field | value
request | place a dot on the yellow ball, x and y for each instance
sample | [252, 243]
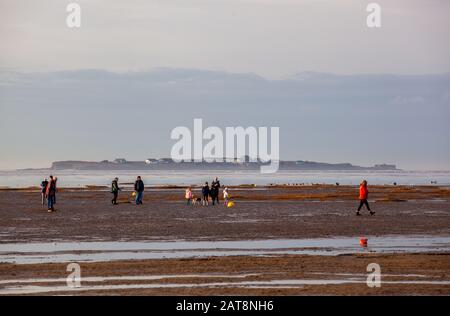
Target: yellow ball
[230, 204]
[133, 194]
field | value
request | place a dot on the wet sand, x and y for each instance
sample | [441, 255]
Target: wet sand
[401, 274]
[260, 213]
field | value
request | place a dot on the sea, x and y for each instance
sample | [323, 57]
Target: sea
[80, 179]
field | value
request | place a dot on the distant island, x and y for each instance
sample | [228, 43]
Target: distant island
[237, 164]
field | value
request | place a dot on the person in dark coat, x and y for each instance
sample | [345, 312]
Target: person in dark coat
[205, 194]
[51, 192]
[115, 190]
[139, 188]
[214, 192]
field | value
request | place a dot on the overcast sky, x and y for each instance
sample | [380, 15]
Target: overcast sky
[272, 39]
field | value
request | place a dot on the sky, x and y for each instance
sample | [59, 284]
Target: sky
[134, 70]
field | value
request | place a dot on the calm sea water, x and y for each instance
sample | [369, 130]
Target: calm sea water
[70, 178]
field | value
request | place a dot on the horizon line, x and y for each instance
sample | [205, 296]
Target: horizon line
[223, 71]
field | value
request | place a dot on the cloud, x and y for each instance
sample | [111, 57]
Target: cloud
[98, 114]
[261, 36]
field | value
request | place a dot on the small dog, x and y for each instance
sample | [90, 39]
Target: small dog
[197, 201]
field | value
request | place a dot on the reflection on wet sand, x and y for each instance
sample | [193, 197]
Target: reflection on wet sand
[28, 253]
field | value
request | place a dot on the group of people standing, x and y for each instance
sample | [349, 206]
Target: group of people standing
[48, 193]
[207, 193]
[211, 192]
[138, 190]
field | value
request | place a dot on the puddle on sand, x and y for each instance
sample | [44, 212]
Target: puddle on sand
[362, 275]
[241, 221]
[32, 289]
[130, 278]
[25, 253]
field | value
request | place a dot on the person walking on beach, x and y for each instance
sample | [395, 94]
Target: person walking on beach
[44, 190]
[115, 190]
[139, 188]
[51, 192]
[215, 186]
[205, 194]
[363, 196]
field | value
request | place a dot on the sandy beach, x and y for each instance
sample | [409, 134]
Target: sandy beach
[293, 213]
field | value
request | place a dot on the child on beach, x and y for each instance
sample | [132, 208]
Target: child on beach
[226, 196]
[189, 196]
[205, 194]
[363, 196]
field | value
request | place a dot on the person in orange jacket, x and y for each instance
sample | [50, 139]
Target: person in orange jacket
[363, 195]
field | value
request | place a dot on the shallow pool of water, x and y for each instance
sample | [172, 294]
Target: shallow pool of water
[295, 283]
[27, 253]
